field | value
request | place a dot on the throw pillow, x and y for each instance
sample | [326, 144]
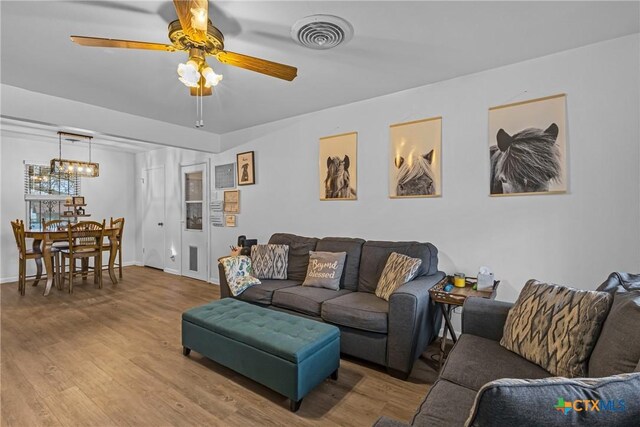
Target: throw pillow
[398, 270]
[556, 327]
[237, 271]
[270, 261]
[325, 269]
[558, 402]
[618, 348]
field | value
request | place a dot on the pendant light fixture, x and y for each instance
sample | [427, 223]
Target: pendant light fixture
[79, 168]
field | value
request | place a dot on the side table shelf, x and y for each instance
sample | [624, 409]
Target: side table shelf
[456, 297]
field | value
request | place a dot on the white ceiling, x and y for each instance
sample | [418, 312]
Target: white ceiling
[396, 46]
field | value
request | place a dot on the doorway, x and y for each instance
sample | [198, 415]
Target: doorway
[153, 217]
[195, 224]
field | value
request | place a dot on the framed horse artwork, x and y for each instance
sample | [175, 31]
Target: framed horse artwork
[338, 167]
[528, 147]
[246, 170]
[415, 159]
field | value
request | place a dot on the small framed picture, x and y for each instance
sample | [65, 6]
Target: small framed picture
[245, 168]
[230, 220]
[67, 213]
[78, 200]
[232, 201]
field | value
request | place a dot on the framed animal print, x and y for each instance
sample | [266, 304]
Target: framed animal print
[528, 147]
[415, 159]
[338, 167]
[245, 168]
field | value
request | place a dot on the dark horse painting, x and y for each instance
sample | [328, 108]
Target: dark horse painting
[415, 178]
[338, 182]
[526, 162]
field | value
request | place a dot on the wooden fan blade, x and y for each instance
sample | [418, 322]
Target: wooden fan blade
[273, 69]
[194, 18]
[124, 44]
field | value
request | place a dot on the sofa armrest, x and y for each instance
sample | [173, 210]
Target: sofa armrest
[484, 317]
[389, 422]
[225, 292]
[413, 322]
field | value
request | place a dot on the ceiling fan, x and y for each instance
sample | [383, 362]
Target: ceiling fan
[193, 32]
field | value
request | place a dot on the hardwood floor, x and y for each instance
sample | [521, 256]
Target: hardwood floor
[112, 356]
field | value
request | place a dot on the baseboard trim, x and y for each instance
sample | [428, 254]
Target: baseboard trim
[8, 279]
[172, 271]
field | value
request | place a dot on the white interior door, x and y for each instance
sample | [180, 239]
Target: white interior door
[195, 224]
[153, 250]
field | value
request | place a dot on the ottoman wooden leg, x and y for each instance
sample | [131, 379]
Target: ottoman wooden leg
[294, 405]
[186, 351]
[334, 375]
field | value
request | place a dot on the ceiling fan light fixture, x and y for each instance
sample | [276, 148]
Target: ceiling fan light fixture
[321, 31]
[211, 78]
[188, 73]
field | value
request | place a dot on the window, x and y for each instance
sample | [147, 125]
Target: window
[46, 193]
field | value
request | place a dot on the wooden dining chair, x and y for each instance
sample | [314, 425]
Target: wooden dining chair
[57, 246]
[23, 255]
[85, 242]
[113, 223]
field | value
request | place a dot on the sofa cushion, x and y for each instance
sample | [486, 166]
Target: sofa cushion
[609, 401]
[618, 348]
[375, 254]
[353, 248]
[270, 261]
[305, 299]
[325, 269]
[398, 270]
[263, 293]
[299, 248]
[556, 327]
[446, 405]
[474, 361]
[358, 310]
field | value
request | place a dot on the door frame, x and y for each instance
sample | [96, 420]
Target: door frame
[164, 213]
[205, 212]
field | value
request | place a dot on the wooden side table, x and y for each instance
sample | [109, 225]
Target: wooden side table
[455, 298]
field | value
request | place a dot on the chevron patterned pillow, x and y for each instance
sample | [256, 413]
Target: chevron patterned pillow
[556, 327]
[270, 261]
[398, 270]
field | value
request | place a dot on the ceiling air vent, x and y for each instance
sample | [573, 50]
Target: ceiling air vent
[321, 31]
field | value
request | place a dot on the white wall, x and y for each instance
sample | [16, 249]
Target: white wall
[109, 195]
[574, 239]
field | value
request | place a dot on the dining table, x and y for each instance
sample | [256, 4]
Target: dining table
[43, 241]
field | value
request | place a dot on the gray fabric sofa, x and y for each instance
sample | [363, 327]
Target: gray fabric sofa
[478, 358]
[393, 333]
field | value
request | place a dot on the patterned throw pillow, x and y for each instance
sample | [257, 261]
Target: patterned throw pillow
[237, 270]
[556, 327]
[325, 269]
[270, 261]
[398, 270]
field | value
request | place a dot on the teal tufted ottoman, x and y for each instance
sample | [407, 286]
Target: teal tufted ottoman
[286, 353]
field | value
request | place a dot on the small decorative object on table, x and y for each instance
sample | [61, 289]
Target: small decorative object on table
[448, 296]
[458, 280]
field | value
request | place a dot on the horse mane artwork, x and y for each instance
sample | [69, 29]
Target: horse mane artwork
[415, 177]
[338, 181]
[526, 162]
